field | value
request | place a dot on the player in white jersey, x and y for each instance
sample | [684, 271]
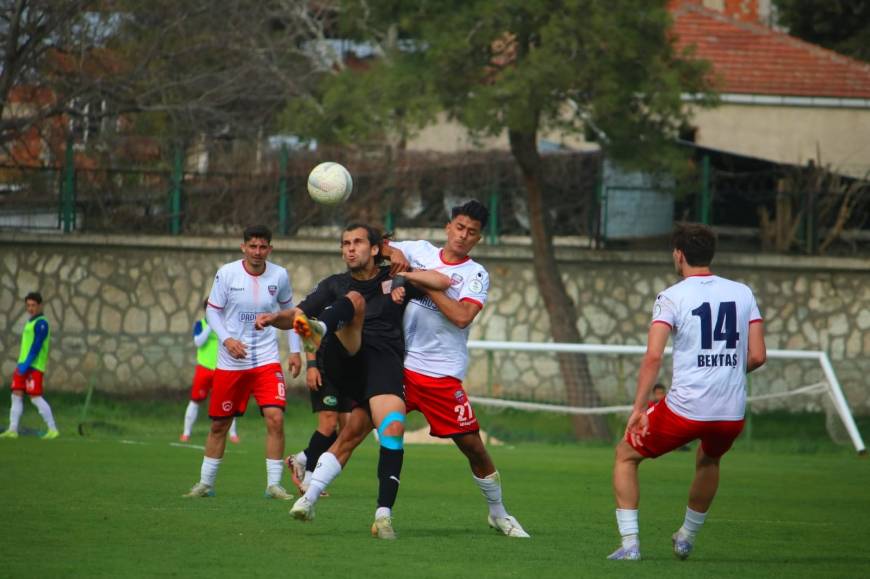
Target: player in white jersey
[436, 359]
[718, 337]
[248, 361]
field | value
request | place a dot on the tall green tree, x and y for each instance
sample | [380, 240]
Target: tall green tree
[521, 67]
[841, 25]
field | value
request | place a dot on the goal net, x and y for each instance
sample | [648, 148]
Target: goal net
[527, 376]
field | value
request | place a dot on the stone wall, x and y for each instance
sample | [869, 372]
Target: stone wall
[122, 309]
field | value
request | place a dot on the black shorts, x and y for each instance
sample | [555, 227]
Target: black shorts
[329, 398]
[373, 370]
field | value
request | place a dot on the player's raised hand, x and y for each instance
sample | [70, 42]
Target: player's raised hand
[264, 320]
[398, 262]
[637, 427]
[237, 349]
[294, 363]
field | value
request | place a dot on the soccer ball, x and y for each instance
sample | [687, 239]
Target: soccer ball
[329, 183]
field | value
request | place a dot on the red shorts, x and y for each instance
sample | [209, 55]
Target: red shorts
[232, 388]
[668, 431]
[30, 382]
[202, 380]
[442, 401]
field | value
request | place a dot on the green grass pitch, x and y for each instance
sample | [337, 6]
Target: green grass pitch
[109, 504]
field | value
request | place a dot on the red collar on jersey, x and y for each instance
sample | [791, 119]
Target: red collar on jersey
[445, 262]
[245, 267]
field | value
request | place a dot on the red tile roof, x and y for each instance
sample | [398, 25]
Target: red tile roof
[750, 58]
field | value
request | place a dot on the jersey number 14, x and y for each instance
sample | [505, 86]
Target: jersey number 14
[726, 325]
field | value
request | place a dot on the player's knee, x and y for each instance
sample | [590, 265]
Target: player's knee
[221, 425]
[392, 431]
[327, 422]
[358, 301]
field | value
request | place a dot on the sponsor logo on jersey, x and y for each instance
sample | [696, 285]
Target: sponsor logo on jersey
[455, 279]
[476, 286]
[237, 289]
[247, 316]
[273, 289]
[426, 302]
[227, 405]
[386, 286]
[330, 401]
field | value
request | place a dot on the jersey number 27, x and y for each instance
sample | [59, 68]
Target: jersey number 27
[726, 325]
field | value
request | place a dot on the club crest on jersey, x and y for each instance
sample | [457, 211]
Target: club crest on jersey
[455, 279]
[476, 286]
[227, 405]
[386, 285]
[273, 289]
[459, 395]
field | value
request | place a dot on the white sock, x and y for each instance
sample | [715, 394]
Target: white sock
[626, 519]
[327, 469]
[44, 411]
[692, 523]
[490, 486]
[306, 480]
[209, 470]
[233, 431]
[274, 470]
[190, 415]
[383, 512]
[15, 412]
[301, 458]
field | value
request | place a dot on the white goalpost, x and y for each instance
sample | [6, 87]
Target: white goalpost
[829, 385]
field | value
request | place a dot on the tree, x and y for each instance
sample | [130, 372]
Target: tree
[840, 25]
[523, 67]
[192, 68]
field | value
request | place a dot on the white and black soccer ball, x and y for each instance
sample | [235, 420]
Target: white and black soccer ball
[330, 183]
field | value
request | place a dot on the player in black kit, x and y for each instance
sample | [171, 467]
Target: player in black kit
[363, 354]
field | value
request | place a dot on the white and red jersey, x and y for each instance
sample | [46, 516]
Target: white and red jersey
[709, 318]
[434, 346]
[239, 296]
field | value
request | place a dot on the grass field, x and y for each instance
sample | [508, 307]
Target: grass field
[109, 505]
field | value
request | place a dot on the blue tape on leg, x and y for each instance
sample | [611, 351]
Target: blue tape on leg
[388, 441]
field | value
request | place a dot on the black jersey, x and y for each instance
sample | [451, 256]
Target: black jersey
[383, 319]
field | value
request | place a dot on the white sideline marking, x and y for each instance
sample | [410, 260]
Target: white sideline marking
[186, 445]
[774, 522]
[133, 442]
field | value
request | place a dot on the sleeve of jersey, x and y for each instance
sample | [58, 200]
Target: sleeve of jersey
[285, 292]
[476, 289]
[664, 311]
[217, 298]
[409, 248]
[216, 322]
[200, 334]
[293, 342]
[755, 313]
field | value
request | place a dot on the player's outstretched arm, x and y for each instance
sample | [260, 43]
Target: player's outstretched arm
[757, 350]
[398, 261]
[282, 320]
[428, 279]
[460, 314]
